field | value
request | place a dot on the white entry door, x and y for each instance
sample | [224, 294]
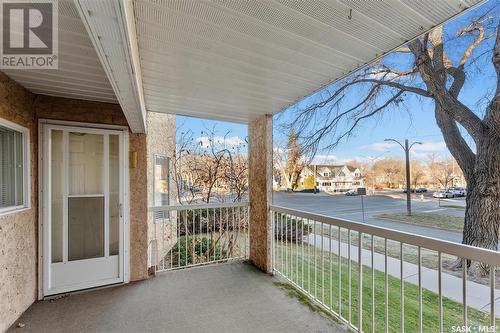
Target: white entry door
[83, 196]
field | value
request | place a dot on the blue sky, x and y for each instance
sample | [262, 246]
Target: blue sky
[414, 121]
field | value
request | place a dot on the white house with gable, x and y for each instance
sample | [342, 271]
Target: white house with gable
[334, 178]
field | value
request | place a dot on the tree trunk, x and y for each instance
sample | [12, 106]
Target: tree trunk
[482, 213]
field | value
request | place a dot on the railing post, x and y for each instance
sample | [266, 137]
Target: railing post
[260, 160]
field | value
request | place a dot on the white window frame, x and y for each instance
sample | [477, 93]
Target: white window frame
[26, 167]
[159, 220]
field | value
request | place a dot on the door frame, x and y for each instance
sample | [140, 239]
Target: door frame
[124, 261]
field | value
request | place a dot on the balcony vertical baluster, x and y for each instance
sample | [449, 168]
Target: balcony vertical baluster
[492, 298]
[322, 265]
[386, 287]
[349, 275]
[339, 266]
[402, 287]
[464, 289]
[360, 283]
[330, 275]
[440, 291]
[372, 245]
[420, 322]
[302, 252]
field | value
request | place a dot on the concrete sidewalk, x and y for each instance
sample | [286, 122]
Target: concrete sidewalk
[478, 295]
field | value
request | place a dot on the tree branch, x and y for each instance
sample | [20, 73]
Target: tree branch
[393, 99]
[457, 110]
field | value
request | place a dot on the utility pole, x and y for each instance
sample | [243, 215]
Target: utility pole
[406, 149]
[408, 185]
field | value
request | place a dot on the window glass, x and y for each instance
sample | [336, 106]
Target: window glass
[114, 195]
[161, 185]
[11, 168]
[56, 192]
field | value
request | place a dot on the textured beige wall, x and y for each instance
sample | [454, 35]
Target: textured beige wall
[18, 230]
[138, 210]
[161, 141]
[260, 164]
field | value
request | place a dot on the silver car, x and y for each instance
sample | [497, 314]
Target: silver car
[443, 194]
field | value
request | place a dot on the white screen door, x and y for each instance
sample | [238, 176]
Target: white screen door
[82, 208]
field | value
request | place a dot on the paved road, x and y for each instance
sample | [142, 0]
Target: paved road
[346, 207]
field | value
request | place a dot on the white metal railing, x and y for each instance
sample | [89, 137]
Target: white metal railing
[192, 235]
[404, 282]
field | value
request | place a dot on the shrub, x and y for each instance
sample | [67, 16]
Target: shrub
[290, 229]
[182, 251]
[210, 220]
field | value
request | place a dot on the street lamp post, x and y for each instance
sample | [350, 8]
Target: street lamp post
[407, 148]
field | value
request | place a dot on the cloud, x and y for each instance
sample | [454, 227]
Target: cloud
[425, 147]
[231, 141]
[381, 76]
[324, 159]
[430, 147]
[380, 146]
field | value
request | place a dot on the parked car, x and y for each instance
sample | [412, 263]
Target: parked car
[458, 191]
[420, 190]
[351, 192]
[412, 190]
[443, 194]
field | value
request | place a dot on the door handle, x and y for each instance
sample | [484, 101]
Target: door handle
[120, 209]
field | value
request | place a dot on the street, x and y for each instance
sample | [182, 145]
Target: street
[349, 208]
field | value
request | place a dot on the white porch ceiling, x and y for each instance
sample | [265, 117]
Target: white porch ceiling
[236, 59]
[80, 74]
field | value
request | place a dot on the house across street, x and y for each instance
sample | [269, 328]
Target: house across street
[331, 177]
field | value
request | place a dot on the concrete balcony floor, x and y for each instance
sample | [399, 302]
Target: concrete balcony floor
[233, 297]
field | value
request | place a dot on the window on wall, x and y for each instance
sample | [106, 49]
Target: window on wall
[13, 166]
[161, 184]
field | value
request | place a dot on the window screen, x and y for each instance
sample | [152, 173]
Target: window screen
[11, 168]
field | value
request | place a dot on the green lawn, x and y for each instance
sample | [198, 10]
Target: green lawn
[446, 222]
[301, 268]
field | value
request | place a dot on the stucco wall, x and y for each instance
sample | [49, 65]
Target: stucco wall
[260, 132]
[162, 234]
[18, 231]
[138, 210]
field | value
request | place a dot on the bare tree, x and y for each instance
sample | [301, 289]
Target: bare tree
[208, 168]
[288, 159]
[443, 171]
[426, 70]
[294, 163]
[417, 173]
[389, 171]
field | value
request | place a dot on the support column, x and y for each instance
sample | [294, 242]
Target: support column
[260, 169]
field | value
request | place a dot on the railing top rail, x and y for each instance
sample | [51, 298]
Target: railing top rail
[198, 206]
[485, 256]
